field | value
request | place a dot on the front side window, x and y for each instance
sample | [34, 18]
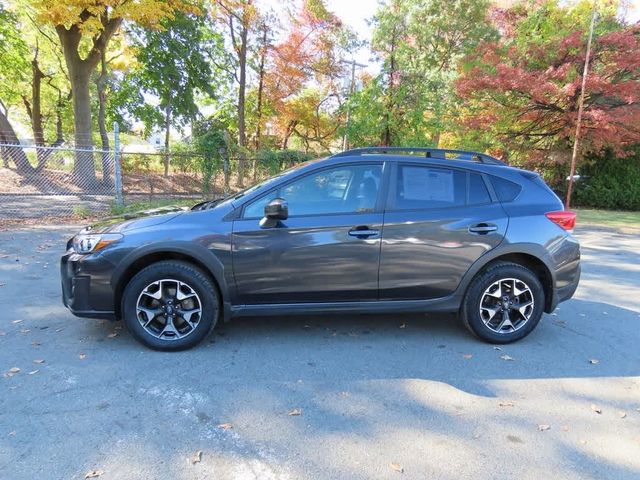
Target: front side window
[343, 189]
[429, 187]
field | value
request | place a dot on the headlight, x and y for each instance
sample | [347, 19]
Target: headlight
[88, 243]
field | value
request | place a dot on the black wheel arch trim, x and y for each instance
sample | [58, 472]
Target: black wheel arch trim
[530, 249]
[199, 253]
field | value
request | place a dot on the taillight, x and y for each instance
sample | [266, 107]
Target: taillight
[565, 218]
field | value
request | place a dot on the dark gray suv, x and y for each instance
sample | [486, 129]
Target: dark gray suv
[367, 230]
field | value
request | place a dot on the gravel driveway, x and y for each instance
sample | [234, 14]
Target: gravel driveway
[396, 396]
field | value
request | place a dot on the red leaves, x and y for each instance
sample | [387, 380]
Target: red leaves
[532, 88]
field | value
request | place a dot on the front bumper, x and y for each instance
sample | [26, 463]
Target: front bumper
[86, 286]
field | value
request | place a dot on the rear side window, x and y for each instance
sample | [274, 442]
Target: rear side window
[478, 193]
[505, 190]
[429, 187]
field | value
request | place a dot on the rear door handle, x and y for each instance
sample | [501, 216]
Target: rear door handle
[363, 232]
[483, 228]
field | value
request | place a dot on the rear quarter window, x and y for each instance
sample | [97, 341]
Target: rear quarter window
[505, 189]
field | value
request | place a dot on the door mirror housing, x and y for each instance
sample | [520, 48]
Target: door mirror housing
[275, 211]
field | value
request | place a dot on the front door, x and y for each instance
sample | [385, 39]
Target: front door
[326, 251]
[439, 221]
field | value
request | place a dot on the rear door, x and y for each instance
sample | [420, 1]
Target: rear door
[328, 250]
[438, 221]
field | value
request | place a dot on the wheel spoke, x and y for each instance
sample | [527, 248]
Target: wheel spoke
[506, 321]
[522, 307]
[170, 328]
[187, 314]
[182, 296]
[150, 313]
[491, 311]
[496, 293]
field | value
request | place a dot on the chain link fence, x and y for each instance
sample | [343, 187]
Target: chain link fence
[38, 182]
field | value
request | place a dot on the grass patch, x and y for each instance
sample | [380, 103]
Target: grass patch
[152, 204]
[608, 218]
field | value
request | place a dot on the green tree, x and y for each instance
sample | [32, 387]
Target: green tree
[421, 44]
[84, 30]
[174, 69]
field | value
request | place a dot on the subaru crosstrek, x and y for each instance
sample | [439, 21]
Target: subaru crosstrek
[374, 230]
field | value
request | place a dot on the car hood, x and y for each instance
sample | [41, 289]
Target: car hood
[132, 221]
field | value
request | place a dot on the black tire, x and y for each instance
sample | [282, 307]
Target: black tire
[190, 276]
[470, 311]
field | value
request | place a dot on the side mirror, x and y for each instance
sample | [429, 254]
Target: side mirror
[275, 211]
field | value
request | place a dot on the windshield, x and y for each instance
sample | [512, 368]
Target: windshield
[263, 183]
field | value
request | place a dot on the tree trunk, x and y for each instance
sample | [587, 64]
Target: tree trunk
[8, 136]
[263, 55]
[387, 135]
[167, 131]
[107, 160]
[242, 140]
[84, 171]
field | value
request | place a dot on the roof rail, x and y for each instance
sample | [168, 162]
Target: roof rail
[428, 153]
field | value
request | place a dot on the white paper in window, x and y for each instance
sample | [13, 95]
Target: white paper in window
[427, 184]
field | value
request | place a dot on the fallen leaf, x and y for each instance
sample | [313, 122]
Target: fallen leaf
[404, 325]
[596, 408]
[467, 356]
[543, 427]
[397, 467]
[225, 426]
[2, 284]
[33, 372]
[560, 322]
[196, 457]
[497, 348]
[506, 404]
[39, 361]
[295, 412]
[58, 330]
[112, 335]
[506, 357]
[14, 370]
[13, 434]
[622, 414]
[36, 344]
[594, 361]
[82, 356]
[17, 321]
[93, 474]
[25, 330]
[565, 428]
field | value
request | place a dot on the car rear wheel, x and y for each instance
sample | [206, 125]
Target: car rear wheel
[504, 303]
[170, 305]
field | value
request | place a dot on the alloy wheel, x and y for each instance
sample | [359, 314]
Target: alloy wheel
[506, 305]
[169, 309]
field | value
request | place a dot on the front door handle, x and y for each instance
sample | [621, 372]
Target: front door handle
[363, 231]
[483, 228]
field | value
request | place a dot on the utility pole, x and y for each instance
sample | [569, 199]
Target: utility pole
[345, 139]
[574, 156]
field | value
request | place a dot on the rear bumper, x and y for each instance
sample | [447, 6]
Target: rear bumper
[86, 289]
[567, 291]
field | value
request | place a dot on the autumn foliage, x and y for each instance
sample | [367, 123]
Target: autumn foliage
[527, 92]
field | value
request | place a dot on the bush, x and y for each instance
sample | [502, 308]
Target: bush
[609, 182]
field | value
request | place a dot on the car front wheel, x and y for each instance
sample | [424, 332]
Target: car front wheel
[170, 305]
[504, 303]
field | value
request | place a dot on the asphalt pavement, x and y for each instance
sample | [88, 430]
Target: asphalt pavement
[322, 397]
